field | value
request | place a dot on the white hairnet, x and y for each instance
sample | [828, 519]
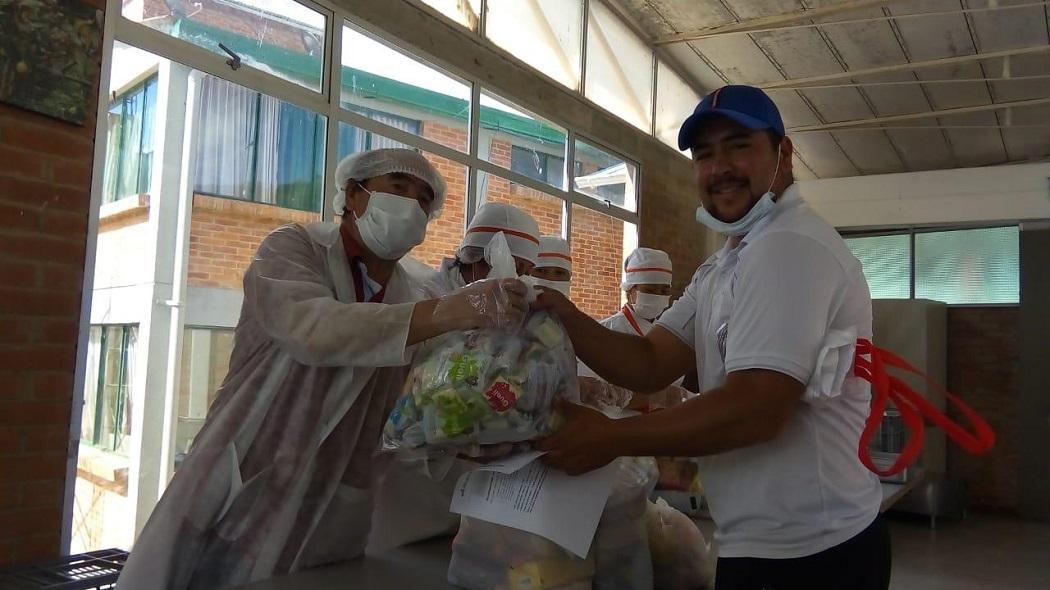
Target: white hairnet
[646, 266]
[370, 164]
[554, 253]
[520, 229]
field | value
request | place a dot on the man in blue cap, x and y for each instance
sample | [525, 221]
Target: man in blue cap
[771, 323]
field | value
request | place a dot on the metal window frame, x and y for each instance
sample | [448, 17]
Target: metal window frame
[915, 230]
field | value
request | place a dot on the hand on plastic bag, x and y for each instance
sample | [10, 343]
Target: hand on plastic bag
[582, 443]
[484, 304]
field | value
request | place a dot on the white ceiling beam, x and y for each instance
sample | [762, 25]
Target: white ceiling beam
[765, 22]
[864, 123]
[982, 80]
[904, 67]
[723, 30]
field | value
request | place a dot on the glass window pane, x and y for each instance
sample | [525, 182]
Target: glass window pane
[444, 233]
[516, 139]
[204, 363]
[254, 147]
[388, 86]
[968, 266]
[675, 100]
[279, 37]
[91, 383]
[605, 177]
[619, 68]
[464, 12]
[886, 261]
[599, 246]
[545, 34]
[544, 208]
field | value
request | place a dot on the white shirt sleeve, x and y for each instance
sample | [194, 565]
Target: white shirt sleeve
[680, 318]
[788, 288]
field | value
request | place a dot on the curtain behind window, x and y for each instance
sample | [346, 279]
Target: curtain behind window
[226, 142]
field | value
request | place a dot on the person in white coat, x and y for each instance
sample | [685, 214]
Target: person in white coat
[278, 479]
[413, 498]
[468, 263]
[647, 276]
[553, 265]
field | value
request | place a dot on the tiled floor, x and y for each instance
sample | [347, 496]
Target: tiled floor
[980, 551]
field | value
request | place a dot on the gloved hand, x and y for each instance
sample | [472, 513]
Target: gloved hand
[484, 304]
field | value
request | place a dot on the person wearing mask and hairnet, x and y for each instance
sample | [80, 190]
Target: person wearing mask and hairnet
[553, 265]
[468, 264]
[771, 321]
[413, 499]
[647, 274]
[647, 281]
[278, 478]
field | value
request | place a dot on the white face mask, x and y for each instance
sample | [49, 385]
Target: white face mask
[649, 306]
[392, 225]
[743, 225]
[559, 286]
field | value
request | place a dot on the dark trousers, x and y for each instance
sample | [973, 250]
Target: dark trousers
[861, 563]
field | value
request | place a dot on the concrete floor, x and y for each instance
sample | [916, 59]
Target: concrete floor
[981, 551]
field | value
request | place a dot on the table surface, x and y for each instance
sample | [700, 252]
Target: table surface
[420, 566]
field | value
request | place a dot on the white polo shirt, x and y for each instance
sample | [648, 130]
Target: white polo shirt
[790, 296]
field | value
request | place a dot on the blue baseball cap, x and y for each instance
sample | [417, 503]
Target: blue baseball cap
[746, 105]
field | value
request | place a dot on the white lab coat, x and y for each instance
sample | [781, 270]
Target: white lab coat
[278, 479]
[412, 504]
[619, 322]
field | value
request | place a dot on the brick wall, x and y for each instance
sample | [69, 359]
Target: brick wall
[225, 233]
[45, 180]
[984, 369]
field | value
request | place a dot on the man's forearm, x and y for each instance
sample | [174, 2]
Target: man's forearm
[622, 359]
[717, 422]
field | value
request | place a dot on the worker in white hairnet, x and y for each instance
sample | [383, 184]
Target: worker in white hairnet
[413, 498]
[647, 282]
[278, 479]
[553, 265]
[468, 264]
[647, 276]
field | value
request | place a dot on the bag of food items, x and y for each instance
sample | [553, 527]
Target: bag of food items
[490, 556]
[484, 387]
[680, 554]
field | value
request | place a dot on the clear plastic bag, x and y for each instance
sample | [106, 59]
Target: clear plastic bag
[620, 561]
[484, 387]
[680, 554]
[490, 556]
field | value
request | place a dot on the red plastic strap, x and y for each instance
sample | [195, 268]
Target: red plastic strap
[870, 364]
[630, 318]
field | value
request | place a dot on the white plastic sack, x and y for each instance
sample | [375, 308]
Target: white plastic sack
[681, 556]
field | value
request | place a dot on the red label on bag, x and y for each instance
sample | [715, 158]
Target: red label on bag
[500, 396]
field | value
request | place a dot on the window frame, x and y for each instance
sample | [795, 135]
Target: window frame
[123, 387]
[915, 230]
[142, 184]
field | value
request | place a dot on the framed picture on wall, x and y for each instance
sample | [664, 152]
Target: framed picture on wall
[49, 56]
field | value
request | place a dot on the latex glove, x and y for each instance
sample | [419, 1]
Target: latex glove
[484, 304]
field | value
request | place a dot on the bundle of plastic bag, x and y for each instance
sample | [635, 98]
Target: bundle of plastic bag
[680, 554]
[484, 387]
[491, 556]
[487, 556]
